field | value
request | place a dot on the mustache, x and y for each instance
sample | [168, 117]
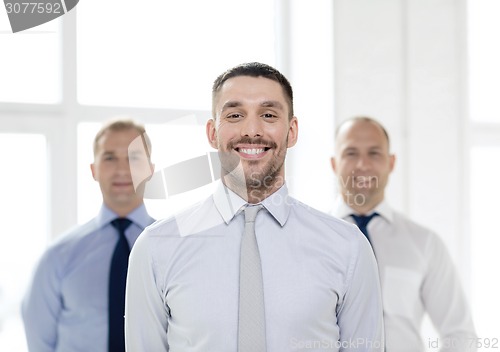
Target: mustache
[248, 140]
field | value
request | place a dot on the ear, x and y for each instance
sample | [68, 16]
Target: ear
[152, 169]
[293, 132]
[392, 161]
[212, 133]
[93, 170]
[334, 164]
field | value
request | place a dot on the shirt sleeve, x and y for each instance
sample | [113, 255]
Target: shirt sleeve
[42, 305]
[445, 302]
[146, 315]
[360, 317]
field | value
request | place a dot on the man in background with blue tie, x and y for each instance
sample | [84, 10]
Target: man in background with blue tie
[416, 272]
[76, 299]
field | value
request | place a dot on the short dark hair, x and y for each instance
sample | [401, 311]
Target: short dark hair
[120, 124]
[364, 119]
[254, 69]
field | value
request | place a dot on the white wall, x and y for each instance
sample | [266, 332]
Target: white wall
[310, 70]
[402, 62]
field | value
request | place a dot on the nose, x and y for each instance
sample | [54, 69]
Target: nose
[363, 163]
[123, 166]
[252, 126]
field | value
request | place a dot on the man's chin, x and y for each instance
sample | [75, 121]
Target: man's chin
[125, 199]
[247, 179]
[360, 192]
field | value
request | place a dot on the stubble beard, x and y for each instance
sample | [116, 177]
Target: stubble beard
[256, 183]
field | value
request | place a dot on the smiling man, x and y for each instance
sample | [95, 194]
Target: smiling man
[251, 269]
[252, 144]
[76, 301]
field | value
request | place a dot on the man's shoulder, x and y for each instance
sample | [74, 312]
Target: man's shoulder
[410, 225]
[66, 245]
[337, 224]
[422, 236]
[190, 220]
[75, 234]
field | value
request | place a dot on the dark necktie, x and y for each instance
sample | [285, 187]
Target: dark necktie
[362, 222]
[251, 319]
[117, 281]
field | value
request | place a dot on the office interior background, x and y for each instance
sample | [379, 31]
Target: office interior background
[427, 69]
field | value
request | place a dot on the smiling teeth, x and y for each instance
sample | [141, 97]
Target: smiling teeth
[252, 151]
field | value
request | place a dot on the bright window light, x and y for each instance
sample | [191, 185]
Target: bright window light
[30, 63]
[485, 240]
[484, 56]
[166, 54]
[24, 235]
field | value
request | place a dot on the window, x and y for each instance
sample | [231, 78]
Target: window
[485, 191]
[170, 58]
[484, 156]
[484, 56]
[24, 184]
[30, 63]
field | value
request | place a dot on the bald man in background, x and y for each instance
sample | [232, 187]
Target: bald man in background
[416, 271]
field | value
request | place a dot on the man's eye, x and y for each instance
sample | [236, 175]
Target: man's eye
[138, 157]
[233, 116]
[109, 158]
[269, 116]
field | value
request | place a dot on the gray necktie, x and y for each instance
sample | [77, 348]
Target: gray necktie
[251, 320]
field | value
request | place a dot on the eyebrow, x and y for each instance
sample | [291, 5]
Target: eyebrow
[230, 104]
[135, 152]
[272, 104]
[265, 104]
[356, 149]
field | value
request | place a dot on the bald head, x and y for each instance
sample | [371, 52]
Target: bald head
[346, 125]
[362, 162]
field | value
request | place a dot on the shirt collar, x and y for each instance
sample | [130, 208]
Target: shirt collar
[138, 216]
[342, 210]
[229, 204]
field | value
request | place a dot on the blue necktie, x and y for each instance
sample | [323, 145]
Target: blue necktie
[362, 222]
[117, 281]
